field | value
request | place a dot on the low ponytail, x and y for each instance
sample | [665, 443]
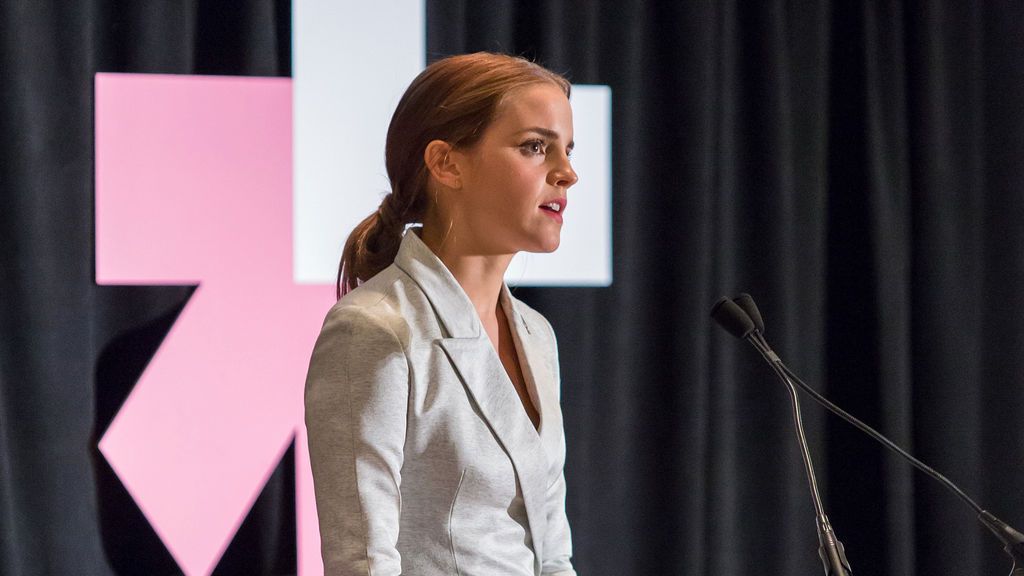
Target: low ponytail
[373, 244]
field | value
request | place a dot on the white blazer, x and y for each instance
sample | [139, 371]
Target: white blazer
[424, 460]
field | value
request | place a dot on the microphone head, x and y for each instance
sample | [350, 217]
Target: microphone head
[745, 302]
[731, 317]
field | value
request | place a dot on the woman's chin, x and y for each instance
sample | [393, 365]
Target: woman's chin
[549, 245]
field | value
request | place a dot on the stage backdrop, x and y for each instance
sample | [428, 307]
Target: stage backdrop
[855, 166]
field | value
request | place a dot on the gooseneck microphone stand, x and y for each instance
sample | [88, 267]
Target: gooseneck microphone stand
[731, 318]
[739, 324]
[1013, 540]
[830, 549]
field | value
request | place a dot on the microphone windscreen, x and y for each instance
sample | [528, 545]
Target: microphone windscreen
[732, 318]
[745, 302]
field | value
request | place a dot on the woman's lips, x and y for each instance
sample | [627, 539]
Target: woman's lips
[554, 208]
[556, 215]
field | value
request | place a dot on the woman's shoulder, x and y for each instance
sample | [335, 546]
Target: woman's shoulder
[370, 307]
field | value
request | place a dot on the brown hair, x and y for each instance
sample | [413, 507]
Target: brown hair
[454, 99]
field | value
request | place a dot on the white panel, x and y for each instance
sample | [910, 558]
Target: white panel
[584, 257]
[351, 63]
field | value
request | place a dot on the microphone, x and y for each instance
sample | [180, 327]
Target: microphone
[1012, 539]
[745, 302]
[741, 319]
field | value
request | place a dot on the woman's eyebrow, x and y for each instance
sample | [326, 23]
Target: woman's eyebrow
[547, 133]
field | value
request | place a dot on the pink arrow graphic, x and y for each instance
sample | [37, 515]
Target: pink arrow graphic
[194, 186]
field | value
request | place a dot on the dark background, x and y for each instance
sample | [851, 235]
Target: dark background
[856, 166]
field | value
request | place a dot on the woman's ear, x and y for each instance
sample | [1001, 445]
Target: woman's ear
[439, 157]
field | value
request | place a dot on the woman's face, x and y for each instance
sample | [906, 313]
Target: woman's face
[515, 179]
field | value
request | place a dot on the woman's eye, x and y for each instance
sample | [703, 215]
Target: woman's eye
[533, 147]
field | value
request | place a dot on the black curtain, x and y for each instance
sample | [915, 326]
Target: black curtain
[856, 166]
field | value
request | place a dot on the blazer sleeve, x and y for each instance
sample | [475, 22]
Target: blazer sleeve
[558, 539]
[356, 400]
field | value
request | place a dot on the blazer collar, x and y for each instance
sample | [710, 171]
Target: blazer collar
[483, 375]
[450, 302]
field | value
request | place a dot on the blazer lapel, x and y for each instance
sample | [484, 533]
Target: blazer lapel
[488, 384]
[483, 375]
[538, 364]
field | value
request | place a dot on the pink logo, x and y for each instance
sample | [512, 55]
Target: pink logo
[194, 186]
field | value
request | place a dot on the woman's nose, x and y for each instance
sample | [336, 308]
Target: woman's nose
[564, 176]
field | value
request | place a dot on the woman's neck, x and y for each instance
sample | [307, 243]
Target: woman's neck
[481, 276]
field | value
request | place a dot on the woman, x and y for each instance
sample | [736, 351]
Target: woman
[435, 433]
